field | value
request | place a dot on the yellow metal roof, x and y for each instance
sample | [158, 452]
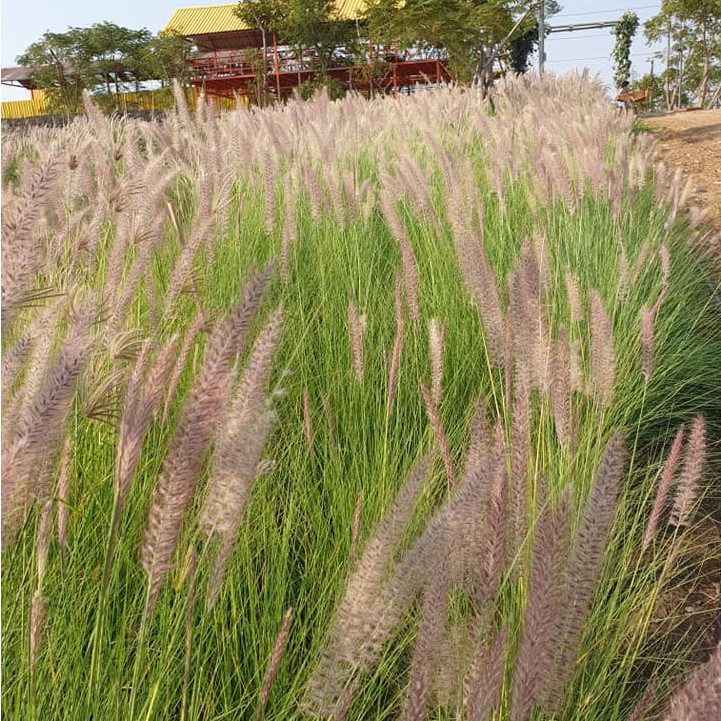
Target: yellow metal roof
[350, 9]
[221, 18]
[205, 19]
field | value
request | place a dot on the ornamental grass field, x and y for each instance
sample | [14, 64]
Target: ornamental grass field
[392, 409]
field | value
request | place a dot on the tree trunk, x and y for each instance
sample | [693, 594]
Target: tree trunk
[704, 76]
[666, 80]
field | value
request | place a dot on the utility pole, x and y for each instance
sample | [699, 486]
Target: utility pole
[541, 35]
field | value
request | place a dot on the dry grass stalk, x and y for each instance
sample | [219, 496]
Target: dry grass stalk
[307, 421]
[690, 477]
[397, 341]
[174, 379]
[664, 486]
[42, 540]
[603, 353]
[646, 342]
[561, 389]
[530, 333]
[408, 260]
[227, 527]
[436, 343]
[641, 262]
[179, 474]
[543, 261]
[575, 367]
[355, 533]
[435, 420]
[12, 363]
[288, 235]
[22, 248]
[479, 442]
[63, 496]
[508, 361]
[42, 336]
[274, 662]
[479, 277]
[573, 291]
[356, 325]
[141, 402]
[665, 259]
[624, 273]
[38, 616]
[520, 447]
[331, 423]
[497, 526]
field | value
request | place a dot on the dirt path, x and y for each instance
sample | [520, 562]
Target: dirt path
[691, 141]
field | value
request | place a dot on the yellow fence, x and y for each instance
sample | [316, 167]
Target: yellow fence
[148, 100]
[24, 108]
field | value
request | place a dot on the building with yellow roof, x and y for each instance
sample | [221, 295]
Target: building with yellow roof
[226, 63]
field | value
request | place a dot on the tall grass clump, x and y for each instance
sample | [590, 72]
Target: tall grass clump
[390, 409]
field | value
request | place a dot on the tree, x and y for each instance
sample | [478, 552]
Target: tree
[55, 69]
[471, 32]
[624, 31]
[267, 16]
[692, 31]
[114, 55]
[313, 25]
[165, 58]
[103, 56]
[653, 85]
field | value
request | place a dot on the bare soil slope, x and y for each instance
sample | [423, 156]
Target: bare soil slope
[691, 141]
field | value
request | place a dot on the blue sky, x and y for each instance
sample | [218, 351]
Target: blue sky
[22, 22]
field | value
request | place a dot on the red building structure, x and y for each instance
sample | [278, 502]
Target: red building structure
[228, 58]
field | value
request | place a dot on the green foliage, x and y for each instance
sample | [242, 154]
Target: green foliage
[470, 32]
[624, 31]
[103, 58]
[165, 58]
[265, 15]
[692, 33]
[54, 60]
[521, 48]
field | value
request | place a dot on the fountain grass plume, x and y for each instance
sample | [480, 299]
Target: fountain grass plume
[364, 618]
[176, 484]
[41, 426]
[238, 449]
[664, 486]
[585, 559]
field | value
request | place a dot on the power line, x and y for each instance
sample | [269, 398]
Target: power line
[601, 12]
[584, 37]
[599, 57]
